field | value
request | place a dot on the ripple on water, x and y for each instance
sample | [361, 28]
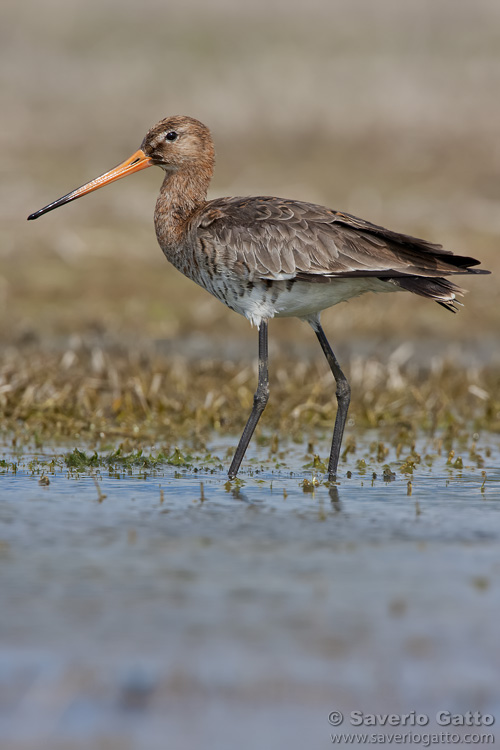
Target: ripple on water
[148, 601]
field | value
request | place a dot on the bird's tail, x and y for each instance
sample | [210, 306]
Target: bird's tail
[442, 291]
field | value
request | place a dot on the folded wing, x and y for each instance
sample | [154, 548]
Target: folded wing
[269, 238]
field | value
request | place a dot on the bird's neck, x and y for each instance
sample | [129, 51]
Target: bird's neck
[181, 194]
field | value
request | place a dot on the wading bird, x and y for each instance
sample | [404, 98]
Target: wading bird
[267, 257]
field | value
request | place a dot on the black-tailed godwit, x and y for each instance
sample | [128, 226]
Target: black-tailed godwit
[267, 257]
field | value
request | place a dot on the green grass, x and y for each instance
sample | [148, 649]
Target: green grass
[118, 398]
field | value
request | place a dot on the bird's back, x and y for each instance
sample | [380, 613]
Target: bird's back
[239, 243]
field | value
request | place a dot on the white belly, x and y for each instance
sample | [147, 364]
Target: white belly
[303, 299]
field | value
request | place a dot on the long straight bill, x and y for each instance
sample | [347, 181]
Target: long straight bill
[135, 163]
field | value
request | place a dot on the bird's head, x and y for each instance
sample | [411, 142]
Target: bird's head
[177, 143]
[174, 144]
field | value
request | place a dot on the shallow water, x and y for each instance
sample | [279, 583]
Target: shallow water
[164, 607]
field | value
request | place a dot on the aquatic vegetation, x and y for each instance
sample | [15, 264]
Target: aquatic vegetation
[117, 397]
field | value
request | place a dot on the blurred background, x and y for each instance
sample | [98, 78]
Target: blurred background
[160, 612]
[388, 110]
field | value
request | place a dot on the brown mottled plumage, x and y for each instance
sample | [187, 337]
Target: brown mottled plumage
[269, 257]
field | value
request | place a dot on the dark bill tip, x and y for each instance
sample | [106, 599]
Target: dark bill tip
[50, 207]
[135, 163]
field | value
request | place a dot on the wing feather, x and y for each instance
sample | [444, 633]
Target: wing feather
[272, 238]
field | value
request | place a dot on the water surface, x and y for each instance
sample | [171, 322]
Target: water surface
[165, 607]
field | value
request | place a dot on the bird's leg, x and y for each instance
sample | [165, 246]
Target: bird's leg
[260, 400]
[343, 394]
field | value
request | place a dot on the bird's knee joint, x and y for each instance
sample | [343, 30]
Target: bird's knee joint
[343, 391]
[261, 397]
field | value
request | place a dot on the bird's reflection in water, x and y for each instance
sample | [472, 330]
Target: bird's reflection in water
[239, 495]
[333, 491]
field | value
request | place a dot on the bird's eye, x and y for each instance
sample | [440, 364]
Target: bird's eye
[171, 135]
